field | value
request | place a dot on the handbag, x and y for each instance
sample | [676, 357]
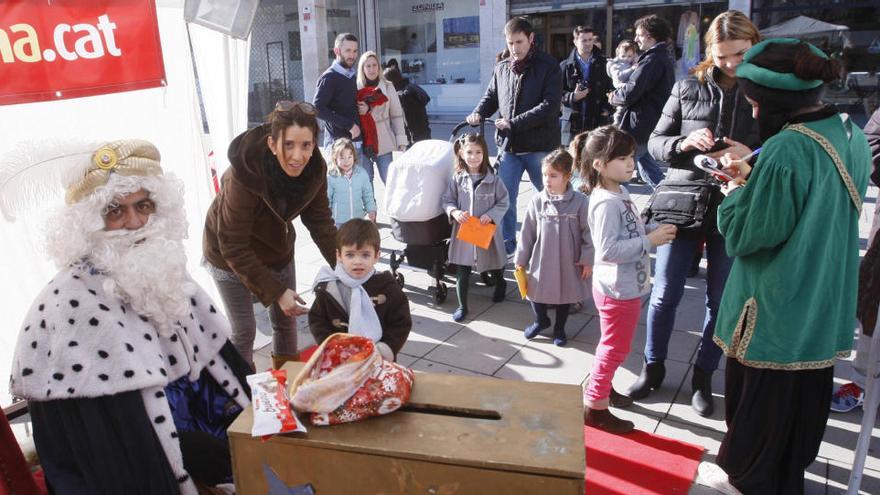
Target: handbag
[347, 380]
[683, 203]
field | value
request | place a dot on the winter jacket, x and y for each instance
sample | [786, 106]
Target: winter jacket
[350, 197]
[328, 314]
[593, 110]
[390, 127]
[643, 96]
[488, 198]
[554, 240]
[619, 70]
[414, 101]
[692, 106]
[335, 100]
[245, 231]
[530, 101]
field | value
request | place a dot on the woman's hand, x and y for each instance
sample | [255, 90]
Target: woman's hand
[736, 167]
[485, 219]
[586, 271]
[288, 304]
[662, 234]
[700, 140]
[460, 216]
[363, 108]
[729, 187]
[734, 148]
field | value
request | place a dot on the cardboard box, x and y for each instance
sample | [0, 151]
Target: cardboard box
[458, 435]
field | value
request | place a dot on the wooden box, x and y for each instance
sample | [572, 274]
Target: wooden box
[458, 435]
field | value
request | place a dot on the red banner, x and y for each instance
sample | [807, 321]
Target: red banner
[74, 48]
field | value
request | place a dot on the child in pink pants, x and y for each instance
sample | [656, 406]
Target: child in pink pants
[622, 268]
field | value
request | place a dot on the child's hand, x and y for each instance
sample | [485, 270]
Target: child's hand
[460, 216]
[662, 234]
[372, 216]
[586, 271]
[485, 219]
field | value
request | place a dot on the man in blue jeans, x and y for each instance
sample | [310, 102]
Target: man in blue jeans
[526, 91]
[646, 91]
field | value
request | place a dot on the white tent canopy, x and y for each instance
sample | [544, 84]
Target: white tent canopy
[804, 27]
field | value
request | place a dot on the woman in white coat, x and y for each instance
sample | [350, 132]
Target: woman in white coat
[378, 101]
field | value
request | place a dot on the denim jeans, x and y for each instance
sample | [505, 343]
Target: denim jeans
[673, 261]
[239, 302]
[381, 162]
[649, 168]
[511, 171]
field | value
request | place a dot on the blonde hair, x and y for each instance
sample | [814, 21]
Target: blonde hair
[727, 26]
[361, 78]
[338, 147]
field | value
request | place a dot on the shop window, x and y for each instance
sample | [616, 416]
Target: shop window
[275, 65]
[433, 42]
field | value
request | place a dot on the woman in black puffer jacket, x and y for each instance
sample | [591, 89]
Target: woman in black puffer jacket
[705, 107]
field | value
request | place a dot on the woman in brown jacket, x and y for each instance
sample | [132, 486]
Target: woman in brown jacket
[274, 177]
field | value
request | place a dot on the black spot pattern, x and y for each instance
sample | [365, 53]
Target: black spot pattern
[27, 328]
[94, 322]
[159, 419]
[148, 336]
[103, 354]
[160, 394]
[162, 370]
[41, 306]
[143, 318]
[77, 367]
[195, 349]
[213, 336]
[103, 377]
[225, 383]
[235, 393]
[26, 371]
[48, 392]
[43, 324]
[34, 344]
[172, 360]
[70, 390]
[74, 303]
[122, 325]
[128, 373]
[122, 308]
[103, 308]
[92, 292]
[211, 363]
[173, 434]
[202, 328]
[174, 338]
[55, 292]
[129, 347]
[71, 321]
[72, 343]
[211, 309]
[58, 376]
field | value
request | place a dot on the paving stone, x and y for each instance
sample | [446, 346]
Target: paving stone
[839, 474]
[541, 361]
[473, 351]
[681, 409]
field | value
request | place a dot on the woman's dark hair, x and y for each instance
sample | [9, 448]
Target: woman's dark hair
[392, 63]
[602, 143]
[558, 160]
[394, 76]
[518, 25]
[464, 140]
[778, 105]
[288, 113]
[655, 26]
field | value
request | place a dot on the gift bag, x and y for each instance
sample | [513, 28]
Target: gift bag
[347, 379]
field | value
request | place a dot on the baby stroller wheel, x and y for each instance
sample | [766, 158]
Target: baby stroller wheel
[399, 278]
[488, 279]
[440, 293]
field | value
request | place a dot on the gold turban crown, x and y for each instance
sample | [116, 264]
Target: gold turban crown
[130, 157]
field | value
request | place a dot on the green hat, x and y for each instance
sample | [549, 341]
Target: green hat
[772, 79]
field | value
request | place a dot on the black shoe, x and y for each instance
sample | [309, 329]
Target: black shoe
[605, 421]
[619, 400]
[649, 379]
[701, 384]
[500, 290]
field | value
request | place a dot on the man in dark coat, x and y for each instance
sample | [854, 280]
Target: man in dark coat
[647, 90]
[526, 91]
[336, 93]
[585, 83]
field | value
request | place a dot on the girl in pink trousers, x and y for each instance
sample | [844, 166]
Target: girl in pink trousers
[621, 269]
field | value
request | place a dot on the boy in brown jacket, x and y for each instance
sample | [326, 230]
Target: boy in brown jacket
[354, 298]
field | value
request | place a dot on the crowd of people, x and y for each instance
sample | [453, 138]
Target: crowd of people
[111, 343]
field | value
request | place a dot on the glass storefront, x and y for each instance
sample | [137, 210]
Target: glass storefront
[848, 29]
[433, 42]
[275, 67]
[342, 17]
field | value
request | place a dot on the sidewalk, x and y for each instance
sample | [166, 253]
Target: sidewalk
[491, 343]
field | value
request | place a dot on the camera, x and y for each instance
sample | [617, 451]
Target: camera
[582, 86]
[718, 145]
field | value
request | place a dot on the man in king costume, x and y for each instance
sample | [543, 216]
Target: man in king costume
[125, 361]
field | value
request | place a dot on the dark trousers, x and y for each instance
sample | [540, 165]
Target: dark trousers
[775, 423]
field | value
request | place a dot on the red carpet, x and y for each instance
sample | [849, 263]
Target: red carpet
[638, 463]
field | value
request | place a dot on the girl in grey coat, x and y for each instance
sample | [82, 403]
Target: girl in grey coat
[555, 247]
[475, 190]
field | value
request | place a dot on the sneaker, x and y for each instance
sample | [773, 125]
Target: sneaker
[711, 475]
[847, 398]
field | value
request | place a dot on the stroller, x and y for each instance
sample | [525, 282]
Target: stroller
[416, 181]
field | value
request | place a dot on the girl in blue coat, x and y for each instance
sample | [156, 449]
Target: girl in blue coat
[348, 186]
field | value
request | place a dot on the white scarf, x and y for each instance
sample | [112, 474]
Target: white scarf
[362, 318]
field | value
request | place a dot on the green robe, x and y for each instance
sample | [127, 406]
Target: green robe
[790, 300]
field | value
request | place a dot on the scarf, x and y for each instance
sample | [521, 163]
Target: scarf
[337, 67]
[362, 318]
[520, 66]
[282, 187]
[374, 97]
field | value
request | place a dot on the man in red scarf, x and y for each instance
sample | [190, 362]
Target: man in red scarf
[526, 91]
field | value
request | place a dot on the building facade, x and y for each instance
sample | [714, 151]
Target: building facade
[449, 47]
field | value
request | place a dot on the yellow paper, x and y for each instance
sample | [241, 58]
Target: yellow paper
[522, 281]
[474, 232]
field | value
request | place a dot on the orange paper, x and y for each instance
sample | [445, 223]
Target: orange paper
[474, 232]
[522, 281]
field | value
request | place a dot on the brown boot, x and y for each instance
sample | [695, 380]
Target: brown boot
[605, 421]
[278, 360]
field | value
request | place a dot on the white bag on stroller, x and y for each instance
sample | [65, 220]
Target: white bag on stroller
[417, 180]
